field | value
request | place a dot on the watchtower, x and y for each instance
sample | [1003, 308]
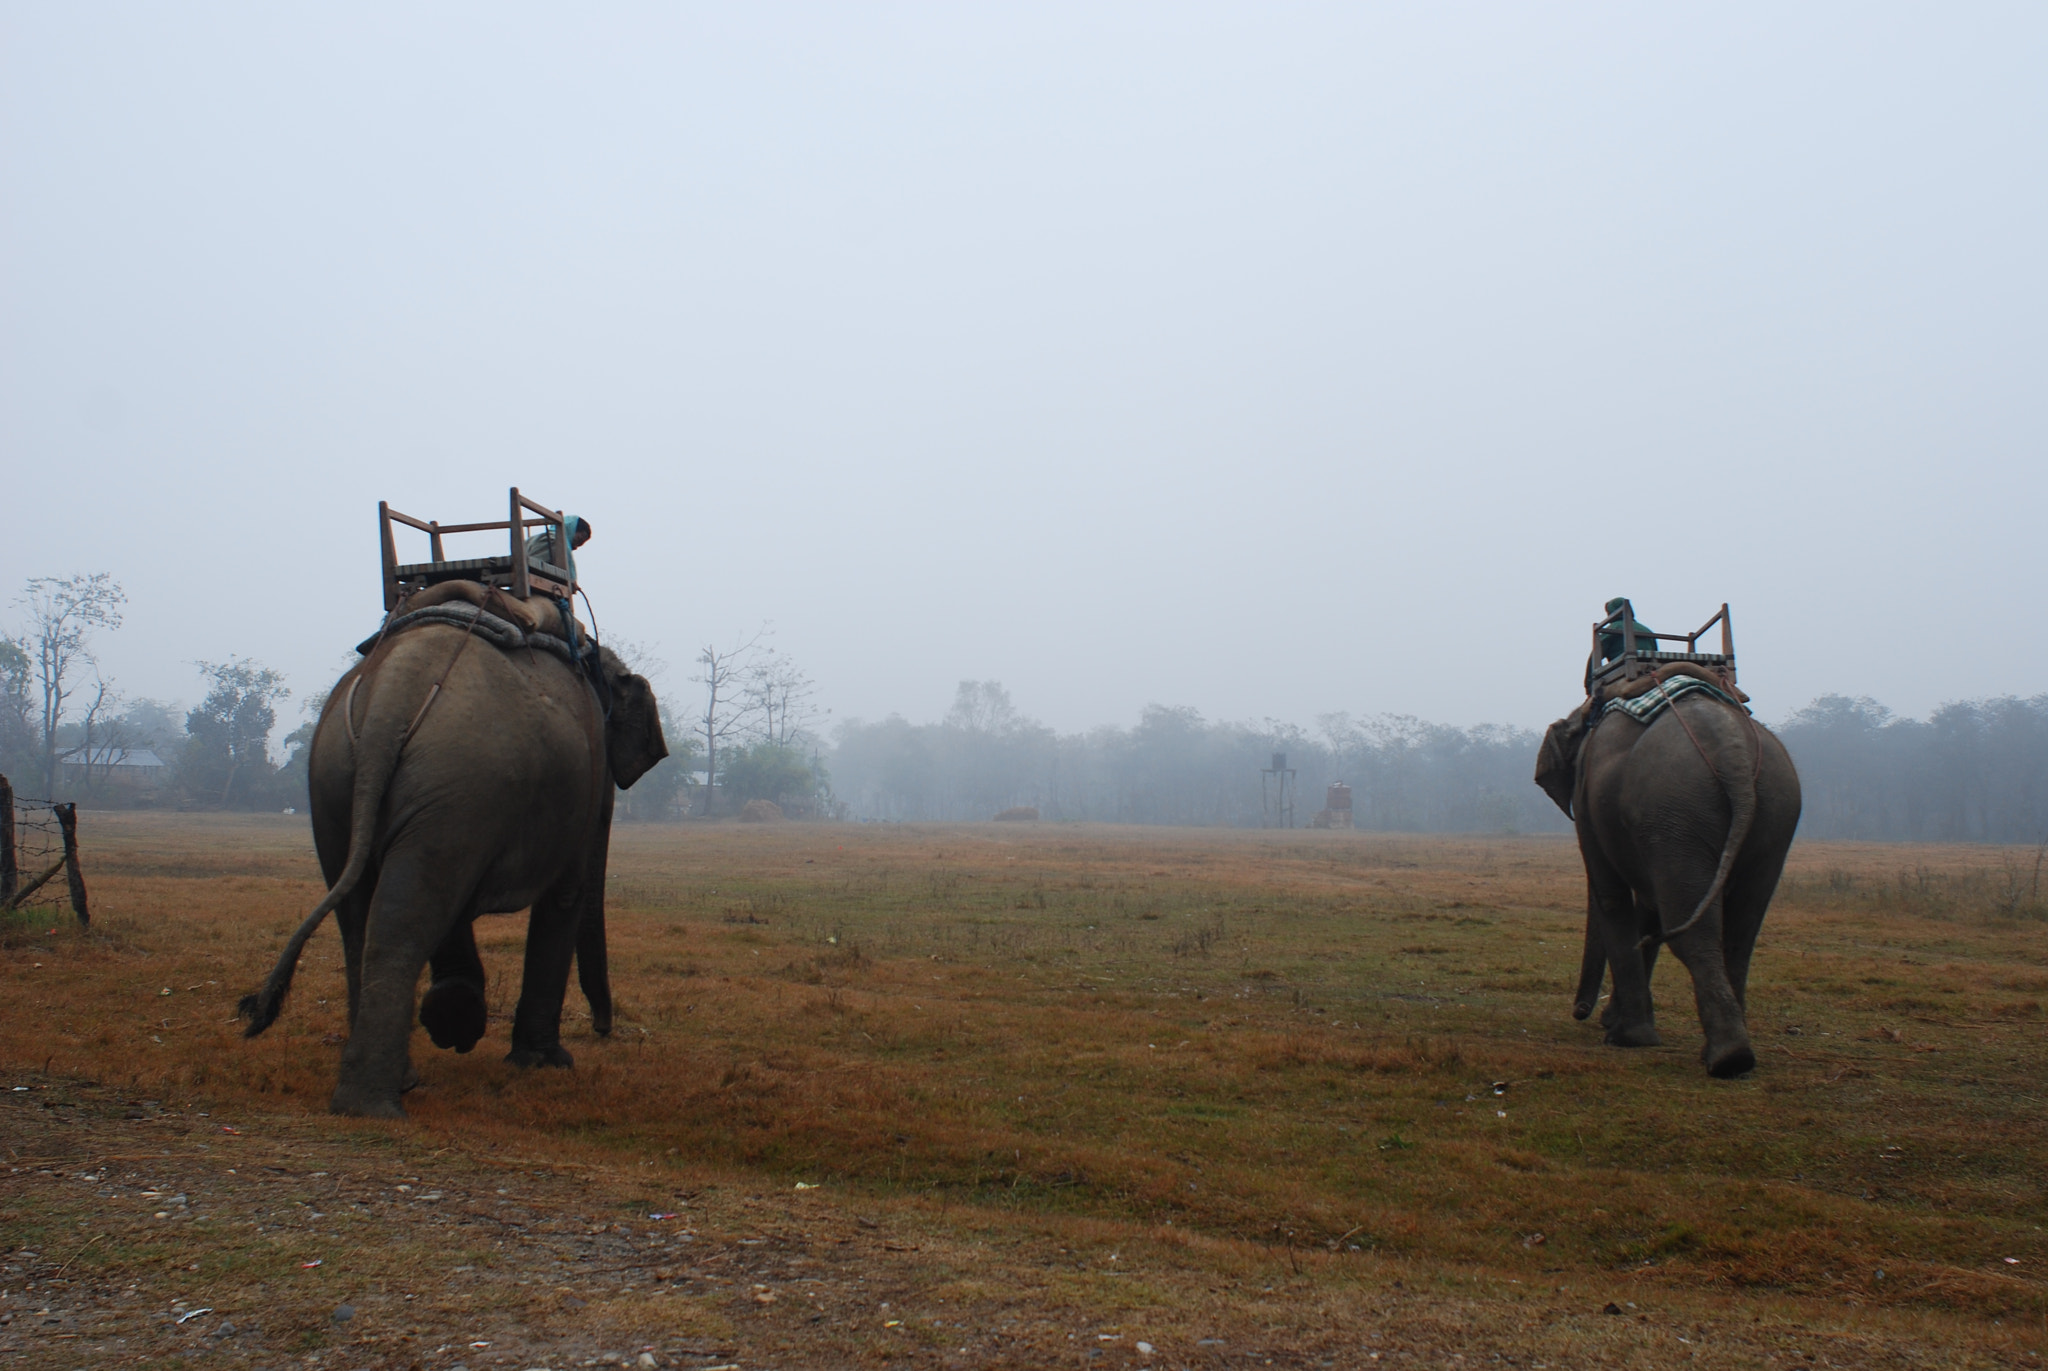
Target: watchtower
[1276, 792]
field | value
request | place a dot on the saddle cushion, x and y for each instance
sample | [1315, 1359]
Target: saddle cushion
[536, 615]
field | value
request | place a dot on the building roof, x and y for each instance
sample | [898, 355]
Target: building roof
[138, 758]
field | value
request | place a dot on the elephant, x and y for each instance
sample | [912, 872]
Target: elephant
[451, 778]
[1683, 824]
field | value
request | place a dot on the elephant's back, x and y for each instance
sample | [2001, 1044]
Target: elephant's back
[488, 727]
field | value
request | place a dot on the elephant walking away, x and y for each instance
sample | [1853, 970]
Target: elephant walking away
[465, 766]
[1683, 822]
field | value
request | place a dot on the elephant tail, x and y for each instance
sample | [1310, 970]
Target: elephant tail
[261, 1009]
[1741, 791]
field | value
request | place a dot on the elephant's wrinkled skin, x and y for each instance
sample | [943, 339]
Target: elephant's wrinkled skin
[500, 800]
[1664, 833]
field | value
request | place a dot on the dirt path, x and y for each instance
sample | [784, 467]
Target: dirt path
[152, 1232]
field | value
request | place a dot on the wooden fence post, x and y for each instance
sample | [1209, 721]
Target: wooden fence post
[10, 872]
[67, 819]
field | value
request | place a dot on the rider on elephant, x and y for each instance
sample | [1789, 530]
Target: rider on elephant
[1611, 640]
[543, 547]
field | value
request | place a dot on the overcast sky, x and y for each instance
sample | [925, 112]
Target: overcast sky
[1268, 359]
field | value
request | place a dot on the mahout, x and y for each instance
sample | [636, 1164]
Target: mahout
[465, 766]
[1683, 823]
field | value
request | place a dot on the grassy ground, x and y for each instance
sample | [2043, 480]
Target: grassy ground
[1307, 1097]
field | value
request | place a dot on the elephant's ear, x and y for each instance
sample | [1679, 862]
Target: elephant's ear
[1557, 761]
[633, 740]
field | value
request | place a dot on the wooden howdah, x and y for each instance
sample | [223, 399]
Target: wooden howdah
[1640, 659]
[513, 573]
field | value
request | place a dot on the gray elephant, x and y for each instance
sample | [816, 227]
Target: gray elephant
[1683, 823]
[465, 766]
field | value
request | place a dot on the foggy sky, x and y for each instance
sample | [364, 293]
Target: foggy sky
[1268, 359]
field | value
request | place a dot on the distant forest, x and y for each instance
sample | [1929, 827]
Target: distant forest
[1174, 767]
[1972, 771]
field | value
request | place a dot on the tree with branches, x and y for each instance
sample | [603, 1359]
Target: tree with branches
[63, 613]
[230, 729]
[728, 711]
[783, 699]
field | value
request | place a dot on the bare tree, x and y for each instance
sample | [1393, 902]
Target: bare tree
[63, 613]
[982, 707]
[728, 712]
[783, 698]
[104, 738]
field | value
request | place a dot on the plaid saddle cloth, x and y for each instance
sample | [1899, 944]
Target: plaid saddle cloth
[1654, 701]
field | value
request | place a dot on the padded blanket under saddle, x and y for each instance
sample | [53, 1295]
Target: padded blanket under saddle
[1658, 698]
[497, 618]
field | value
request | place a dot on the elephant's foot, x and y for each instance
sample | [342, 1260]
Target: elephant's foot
[601, 1024]
[556, 1055]
[453, 1014]
[364, 1104]
[1732, 1059]
[1633, 1035]
[1582, 1011]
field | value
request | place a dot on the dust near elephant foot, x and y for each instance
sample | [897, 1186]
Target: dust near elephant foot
[557, 1055]
[454, 1015]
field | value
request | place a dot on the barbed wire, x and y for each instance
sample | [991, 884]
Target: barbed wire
[39, 854]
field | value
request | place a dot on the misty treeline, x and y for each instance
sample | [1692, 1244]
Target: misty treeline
[1175, 767]
[751, 729]
[1972, 771]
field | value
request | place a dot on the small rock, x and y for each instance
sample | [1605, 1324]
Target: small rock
[1612, 1308]
[344, 1312]
[646, 1361]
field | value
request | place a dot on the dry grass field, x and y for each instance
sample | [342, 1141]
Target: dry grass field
[1030, 1094]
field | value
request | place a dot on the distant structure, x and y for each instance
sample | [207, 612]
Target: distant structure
[1336, 812]
[130, 770]
[1276, 792]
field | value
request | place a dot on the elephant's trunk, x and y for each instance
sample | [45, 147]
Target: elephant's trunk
[380, 748]
[1741, 791]
[1592, 970]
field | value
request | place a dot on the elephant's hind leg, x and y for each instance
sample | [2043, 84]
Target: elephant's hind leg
[550, 946]
[409, 916]
[1727, 1050]
[453, 1010]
